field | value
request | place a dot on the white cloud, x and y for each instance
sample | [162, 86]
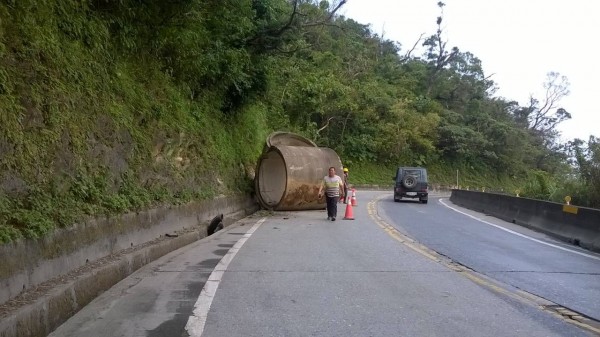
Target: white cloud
[517, 41]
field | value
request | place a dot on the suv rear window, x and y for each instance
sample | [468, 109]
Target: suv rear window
[420, 173]
[416, 173]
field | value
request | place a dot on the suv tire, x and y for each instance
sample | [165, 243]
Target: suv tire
[409, 181]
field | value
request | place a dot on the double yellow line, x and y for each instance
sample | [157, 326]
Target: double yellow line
[519, 295]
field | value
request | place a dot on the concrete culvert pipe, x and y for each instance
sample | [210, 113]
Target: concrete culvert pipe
[281, 138]
[288, 177]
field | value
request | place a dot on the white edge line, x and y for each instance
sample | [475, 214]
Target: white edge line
[521, 235]
[196, 322]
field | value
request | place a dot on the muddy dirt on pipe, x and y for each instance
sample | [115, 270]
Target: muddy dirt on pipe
[288, 177]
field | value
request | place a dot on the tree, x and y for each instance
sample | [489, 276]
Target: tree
[542, 117]
[586, 158]
[438, 55]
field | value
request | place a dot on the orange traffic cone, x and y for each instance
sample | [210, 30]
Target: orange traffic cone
[353, 200]
[349, 215]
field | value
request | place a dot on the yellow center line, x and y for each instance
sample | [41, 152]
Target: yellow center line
[519, 295]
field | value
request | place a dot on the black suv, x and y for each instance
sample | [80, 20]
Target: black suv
[411, 182]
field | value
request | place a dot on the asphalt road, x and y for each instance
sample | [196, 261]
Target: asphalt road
[296, 274]
[562, 273]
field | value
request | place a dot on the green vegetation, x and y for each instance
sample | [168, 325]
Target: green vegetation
[115, 106]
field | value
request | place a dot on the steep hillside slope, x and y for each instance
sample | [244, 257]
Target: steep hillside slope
[92, 122]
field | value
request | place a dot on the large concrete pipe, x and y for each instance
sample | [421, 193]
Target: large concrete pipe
[288, 177]
[281, 138]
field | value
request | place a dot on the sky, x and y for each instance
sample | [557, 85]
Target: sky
[517, 41]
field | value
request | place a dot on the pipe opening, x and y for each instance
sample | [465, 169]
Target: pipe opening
[272, 178]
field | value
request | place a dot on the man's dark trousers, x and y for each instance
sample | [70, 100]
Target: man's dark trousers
[332, 206]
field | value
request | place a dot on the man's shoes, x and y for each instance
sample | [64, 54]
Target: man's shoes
[333, 219]
[328, 218]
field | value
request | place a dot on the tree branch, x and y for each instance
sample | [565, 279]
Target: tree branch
[337, 7]
[326, 125]
[407, 55]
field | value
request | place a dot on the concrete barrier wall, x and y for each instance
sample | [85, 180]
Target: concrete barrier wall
[29, 263]
[39, 315]
[578, 225]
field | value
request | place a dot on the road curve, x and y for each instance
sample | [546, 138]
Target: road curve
[297, 274]
[527, 260]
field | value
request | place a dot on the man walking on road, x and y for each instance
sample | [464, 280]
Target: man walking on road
[334, 187]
